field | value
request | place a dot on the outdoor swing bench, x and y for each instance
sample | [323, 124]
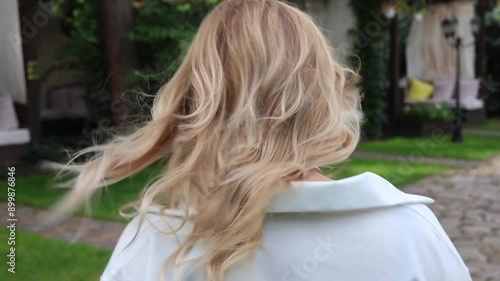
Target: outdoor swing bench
[443, 91]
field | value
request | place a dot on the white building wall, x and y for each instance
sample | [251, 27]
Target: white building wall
[336, 19]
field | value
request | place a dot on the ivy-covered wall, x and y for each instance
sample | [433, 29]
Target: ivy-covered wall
[370, 46]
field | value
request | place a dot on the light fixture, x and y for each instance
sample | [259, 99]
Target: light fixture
[450, 25]
[475, 24]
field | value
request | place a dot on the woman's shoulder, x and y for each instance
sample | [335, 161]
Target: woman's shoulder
[146, 240]
[425, 243]
[390, 243]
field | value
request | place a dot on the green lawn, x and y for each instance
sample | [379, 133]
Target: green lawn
[491, 125]
[398, 173]
[473, 147]
[37, 191]
[45, 259]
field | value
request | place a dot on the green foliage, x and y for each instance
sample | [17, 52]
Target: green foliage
[429, 111]
[299, 3]
[46, 149]
[495, 14]
[162, 33]
[370, 45]
[492, 22]
[84, 54]
[411, 7]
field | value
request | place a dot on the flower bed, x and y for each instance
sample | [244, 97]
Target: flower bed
[426, 119]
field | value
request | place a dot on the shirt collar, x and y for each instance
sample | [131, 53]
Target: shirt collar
[363, 191]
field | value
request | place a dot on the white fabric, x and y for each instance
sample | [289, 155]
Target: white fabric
[8, 117]
[12, 80]
[14, 137]
[443, 90]
[470, 104]
[356, 229]
[469, 89]
[429, 55]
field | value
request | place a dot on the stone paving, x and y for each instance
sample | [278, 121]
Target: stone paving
[482, 132]
[102, 234]
[467, 205]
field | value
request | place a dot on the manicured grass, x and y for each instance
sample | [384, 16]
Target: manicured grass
[45, 259]
[38, 190]
[398, 173]
[491, 125]
[473, 147]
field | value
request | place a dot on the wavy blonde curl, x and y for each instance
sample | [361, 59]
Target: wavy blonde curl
[258, 100]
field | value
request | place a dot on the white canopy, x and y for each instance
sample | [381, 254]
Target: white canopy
[12, 81]
[429, 55]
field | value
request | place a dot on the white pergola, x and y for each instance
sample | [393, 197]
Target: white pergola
[11, 55]
[429, 55]
[12, 76]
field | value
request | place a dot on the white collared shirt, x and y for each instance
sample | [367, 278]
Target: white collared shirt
[360, 228]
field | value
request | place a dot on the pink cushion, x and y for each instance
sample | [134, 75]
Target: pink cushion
[8, 118]
[444, 90]
[469, 89]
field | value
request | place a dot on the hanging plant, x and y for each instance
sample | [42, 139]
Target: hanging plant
[494, 15]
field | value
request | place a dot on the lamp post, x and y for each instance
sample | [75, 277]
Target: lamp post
[450, 32]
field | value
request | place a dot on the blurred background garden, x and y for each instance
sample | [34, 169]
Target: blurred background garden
[74, 73]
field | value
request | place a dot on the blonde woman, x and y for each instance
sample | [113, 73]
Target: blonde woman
[256, 106]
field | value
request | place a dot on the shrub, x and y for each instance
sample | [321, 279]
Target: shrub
[429, 111]
[162, 33]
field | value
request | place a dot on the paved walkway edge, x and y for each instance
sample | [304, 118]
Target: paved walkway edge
[408, 158]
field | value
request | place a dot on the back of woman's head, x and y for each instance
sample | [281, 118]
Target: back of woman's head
[257, 99]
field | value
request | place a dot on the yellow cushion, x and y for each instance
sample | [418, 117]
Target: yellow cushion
[420, 90]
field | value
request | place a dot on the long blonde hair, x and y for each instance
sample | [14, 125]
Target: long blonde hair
[258, 100]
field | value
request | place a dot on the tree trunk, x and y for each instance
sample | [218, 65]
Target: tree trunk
[27, 13]
[117, 21]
